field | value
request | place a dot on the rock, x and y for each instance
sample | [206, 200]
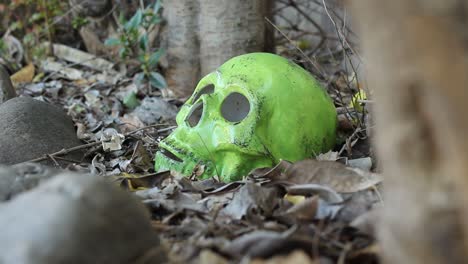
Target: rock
[74, 218]
[23, 177]
[30, 129]
[152, 109]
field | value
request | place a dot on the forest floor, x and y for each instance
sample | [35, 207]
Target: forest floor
[319, 210]
[292, 212]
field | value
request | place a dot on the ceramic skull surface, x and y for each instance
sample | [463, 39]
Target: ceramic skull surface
[251, 112]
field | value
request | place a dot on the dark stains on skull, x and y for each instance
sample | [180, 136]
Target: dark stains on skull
[309, 146]
[258, 104]
[207, 89]
[173, 145]
[242, 144]
[236, 77]
[188, 155]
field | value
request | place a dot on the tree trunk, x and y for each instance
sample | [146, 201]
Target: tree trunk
[416, 55]
[202, 34]
[183, 48]
[100, 26]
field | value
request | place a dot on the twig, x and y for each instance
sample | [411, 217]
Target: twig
[316, 25]
[48, 27]
[150, 126]
[67, 160]
[54, 160]
[349, 139]
[92, 144]
[66, 151]
[317, 67]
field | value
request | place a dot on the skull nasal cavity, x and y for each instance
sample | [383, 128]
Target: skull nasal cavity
[208, 89]
[195, 114]
[235, 107]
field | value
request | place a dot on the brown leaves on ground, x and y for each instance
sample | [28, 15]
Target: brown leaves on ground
[292, 213]
[288, 213]
[332, 174]
[25, 75]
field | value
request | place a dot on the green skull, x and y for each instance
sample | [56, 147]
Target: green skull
[251, 112]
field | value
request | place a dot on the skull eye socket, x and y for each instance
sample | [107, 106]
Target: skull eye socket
[194, 115]
[235, 107]
[208, 89]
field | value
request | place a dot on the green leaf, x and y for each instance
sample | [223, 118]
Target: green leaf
[153, 60]
[157, 80]
[131, 101]
[138, 78]
[157, 6]
[122, 53]
[122, 19]
[112, 42]
[141, 58]
[155, 20]
[144, 42]
[35, 17]
[135, 21]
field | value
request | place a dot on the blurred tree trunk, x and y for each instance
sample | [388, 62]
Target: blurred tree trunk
[100, 26]
[202, 34]
[416, 54]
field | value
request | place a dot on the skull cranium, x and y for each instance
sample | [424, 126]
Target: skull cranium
[251, 112]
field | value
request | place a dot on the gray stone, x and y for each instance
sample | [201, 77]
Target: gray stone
[22, 177]
[153, 109]
[74, 218]
[30, 129]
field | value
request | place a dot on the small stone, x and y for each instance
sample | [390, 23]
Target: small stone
[152, 109]
[75, 218]
[22, 177]
[30, 129]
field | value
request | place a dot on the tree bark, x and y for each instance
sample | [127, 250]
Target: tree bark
[100, 26]
[183, 68]
[416, 54]
[202, 34]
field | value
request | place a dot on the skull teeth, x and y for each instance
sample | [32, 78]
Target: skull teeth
[170, 155]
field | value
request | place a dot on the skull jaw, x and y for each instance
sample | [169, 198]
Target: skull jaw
[228, 163]
[181, 160]
[186, 167]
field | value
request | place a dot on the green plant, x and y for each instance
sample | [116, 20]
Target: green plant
[79, 22]
[133, 42]
[33, 22]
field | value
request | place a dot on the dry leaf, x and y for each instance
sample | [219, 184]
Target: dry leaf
[329, 156]
[271, 172]
[251, 196]
[294, 199]
[81, 57]
[130, 122]
[332, 174]
[309, 189]
[111, 139]
[296, 257]
[25, 75]
[208, 256]
[141, 158]
[306, 209]
[64, 72]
